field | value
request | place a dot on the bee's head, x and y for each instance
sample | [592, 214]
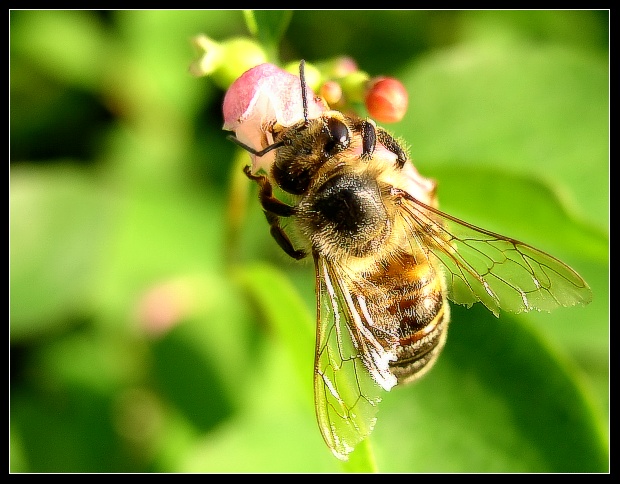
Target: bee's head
[264, 101]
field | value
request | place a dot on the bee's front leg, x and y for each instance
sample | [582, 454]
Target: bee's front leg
[274, 209]
[270, 203]
[371, 134]
[387, 140]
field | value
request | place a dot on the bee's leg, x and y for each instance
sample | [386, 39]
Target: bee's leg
[274, 209]
[265, 195]
[281, 238]
[369, 138]
[387, 140]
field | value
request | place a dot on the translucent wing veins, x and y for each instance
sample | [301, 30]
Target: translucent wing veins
[498, 271]
[346, 395]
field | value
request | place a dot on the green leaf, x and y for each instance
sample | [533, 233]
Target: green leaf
[536, 110]
[285, 311]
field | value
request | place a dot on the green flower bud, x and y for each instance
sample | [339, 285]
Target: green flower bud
[226, 61]
[354, 86]
[313, 75]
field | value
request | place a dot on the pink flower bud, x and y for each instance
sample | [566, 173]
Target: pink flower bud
[331, 91]
[260, 98]
[338, 67]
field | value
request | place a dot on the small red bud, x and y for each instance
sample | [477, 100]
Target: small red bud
[386, 99]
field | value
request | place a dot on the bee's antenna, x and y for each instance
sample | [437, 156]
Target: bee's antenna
[251, 150]
[302, 78]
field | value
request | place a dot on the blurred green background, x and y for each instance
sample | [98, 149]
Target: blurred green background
[156, 327]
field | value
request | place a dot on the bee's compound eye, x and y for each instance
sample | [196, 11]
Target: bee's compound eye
[339, 137]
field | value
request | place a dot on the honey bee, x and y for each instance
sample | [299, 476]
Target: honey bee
[386, 262]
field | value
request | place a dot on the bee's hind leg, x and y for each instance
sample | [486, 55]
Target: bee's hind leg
[274, 209]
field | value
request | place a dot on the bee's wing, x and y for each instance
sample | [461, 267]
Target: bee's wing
[498, 271]
[351, 365]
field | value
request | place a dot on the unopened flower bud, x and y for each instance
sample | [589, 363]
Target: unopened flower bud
[386, 99]
[226, 61]
[331, 92]
[354, 86]
[338, 67]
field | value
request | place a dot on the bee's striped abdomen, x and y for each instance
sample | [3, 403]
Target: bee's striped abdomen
[414, 302]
